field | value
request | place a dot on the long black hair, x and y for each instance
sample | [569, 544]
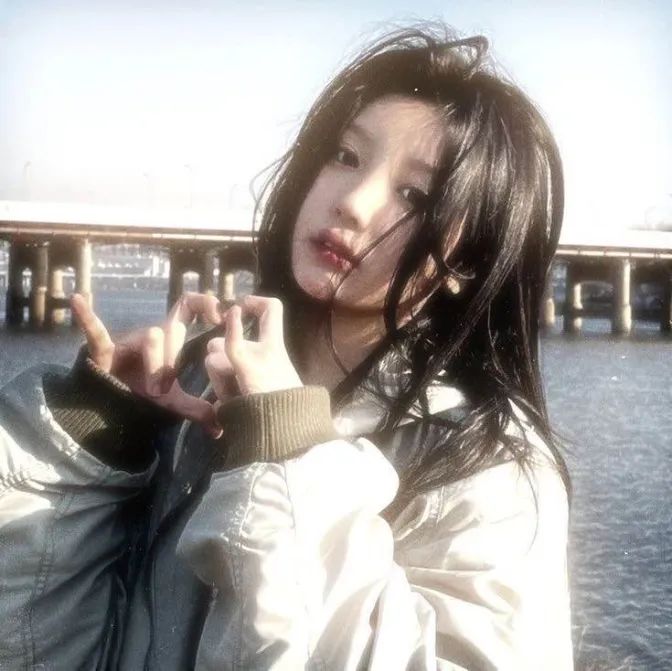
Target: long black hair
[497, 196]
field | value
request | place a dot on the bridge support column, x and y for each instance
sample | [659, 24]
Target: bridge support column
[14, 304]
[37, 301]
[231, 259]
[622, 317]
[226, 289]
[175, 279]
[548, 306]
[206, 277]
[83, 264]
[573, 304]
[183, 260]
[56, 295]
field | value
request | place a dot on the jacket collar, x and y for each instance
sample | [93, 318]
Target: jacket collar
[365, 410]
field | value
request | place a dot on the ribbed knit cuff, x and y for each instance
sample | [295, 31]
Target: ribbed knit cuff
[276, 425]
[103, 415]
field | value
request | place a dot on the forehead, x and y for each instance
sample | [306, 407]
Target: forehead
[401, 125]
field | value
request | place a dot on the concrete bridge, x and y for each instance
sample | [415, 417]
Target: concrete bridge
[620, 266]
[45, 239]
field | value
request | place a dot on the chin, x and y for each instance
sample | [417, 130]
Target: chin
[324, 295]
[321, 290]
[317, 291]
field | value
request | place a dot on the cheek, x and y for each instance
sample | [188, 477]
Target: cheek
[369, 283]
[306, 271]
[377, 275]
[312, 211]
[300, 233]
[386, 253]
[300, 225]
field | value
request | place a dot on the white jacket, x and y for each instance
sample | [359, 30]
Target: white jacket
[298, 566]
[472, 575]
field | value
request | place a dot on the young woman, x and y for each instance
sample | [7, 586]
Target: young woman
[368, 482]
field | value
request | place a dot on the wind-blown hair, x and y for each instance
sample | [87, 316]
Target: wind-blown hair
[496, 203]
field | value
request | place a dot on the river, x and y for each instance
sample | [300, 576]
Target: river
[610, 399]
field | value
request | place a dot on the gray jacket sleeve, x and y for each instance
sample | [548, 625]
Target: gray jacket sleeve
[60, 535]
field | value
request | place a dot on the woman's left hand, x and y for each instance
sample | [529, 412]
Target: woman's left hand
[257, 366]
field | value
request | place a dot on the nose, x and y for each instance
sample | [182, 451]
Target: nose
[364, 199]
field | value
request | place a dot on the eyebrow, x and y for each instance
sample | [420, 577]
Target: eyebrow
[420, 165]
[355, 128]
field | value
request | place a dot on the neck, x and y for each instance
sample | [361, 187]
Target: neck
[354, 335]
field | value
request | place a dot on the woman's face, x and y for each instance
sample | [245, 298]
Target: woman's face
[383, 168]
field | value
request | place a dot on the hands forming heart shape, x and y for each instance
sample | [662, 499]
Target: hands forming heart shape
[145, 359]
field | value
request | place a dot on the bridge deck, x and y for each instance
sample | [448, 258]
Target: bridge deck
[99, 223]
[569, 252]
[152, 226]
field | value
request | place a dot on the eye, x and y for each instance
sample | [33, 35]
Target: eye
[415, 196]
[346, 157]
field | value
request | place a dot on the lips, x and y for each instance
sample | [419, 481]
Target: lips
[334, 250]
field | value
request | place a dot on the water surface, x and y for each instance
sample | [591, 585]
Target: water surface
[611, 400]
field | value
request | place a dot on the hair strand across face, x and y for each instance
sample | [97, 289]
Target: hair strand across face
[491, 223]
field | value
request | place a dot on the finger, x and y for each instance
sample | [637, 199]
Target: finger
[221, 374]
[132, 343]
[181, 315]
[234, 341]
[269, 311]
[175, 332]
[216, 345]
[152, 358]
[127, 359]
[224, 305]
[196, 409]
[191, 305]
[101, 347]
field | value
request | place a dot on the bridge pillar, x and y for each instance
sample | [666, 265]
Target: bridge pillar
[175, 279]
[226, 289]
[56, 295]
[182, 260]
[548, 306]
[14, 304]
[622, 317]
[573, 303]
[37, 301]
[231, 259]
[206, 276]
[83, 264]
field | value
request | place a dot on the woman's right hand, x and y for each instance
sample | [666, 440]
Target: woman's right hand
[144, 359]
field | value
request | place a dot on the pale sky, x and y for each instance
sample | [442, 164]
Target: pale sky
[178, 105]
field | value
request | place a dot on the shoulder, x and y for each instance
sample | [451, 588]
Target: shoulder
[489, 553]
[505, 509]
